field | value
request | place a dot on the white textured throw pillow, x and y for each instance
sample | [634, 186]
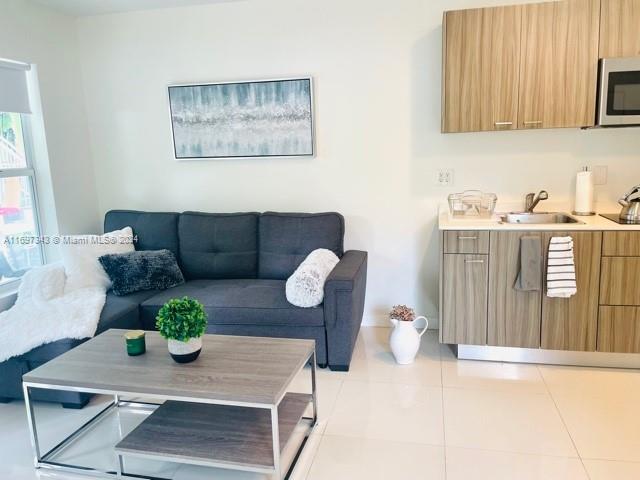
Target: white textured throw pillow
[305, 287]
[80, 255]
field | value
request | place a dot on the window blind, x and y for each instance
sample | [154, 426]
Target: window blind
[14, 95]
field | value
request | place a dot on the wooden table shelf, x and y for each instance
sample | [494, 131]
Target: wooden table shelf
[198, 433]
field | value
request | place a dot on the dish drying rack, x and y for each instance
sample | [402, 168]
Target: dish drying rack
[472, 203]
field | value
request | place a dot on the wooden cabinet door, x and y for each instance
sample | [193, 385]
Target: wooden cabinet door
[621, 244]
[480, 73]
[464, 299]
[619, 281]
[558, 64]
[619, 329]
[514, 316]
[620, 28]
[572, 323]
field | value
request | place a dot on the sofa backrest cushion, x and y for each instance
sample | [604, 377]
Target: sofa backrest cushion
[285, 240]
[218, 245]
[151, 230]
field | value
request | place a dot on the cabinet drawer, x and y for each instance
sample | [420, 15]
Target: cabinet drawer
[619, 283]
[621, 244]
[466, 241]
[464, 297]
[619, 329]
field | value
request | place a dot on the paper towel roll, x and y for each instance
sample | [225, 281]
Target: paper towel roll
[584, 193]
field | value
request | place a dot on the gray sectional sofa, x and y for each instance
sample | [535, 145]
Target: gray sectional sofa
[236, 265]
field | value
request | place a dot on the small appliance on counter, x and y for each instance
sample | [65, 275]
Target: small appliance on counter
[584, 193]
[472, 203]
[630, 213]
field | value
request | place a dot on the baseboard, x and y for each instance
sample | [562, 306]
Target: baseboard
[549, 357]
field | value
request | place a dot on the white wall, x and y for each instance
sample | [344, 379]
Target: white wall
[377, 67]
[37, 35]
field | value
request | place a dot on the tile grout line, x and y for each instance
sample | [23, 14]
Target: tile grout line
[612, 461]
[324, 431]
[444, 433]
[564, 423]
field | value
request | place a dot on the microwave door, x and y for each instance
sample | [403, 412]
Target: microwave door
[623, 96]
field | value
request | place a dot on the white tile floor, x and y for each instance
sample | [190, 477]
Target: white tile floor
[436, 419]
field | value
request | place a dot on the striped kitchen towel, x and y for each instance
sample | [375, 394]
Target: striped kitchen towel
[561, 269]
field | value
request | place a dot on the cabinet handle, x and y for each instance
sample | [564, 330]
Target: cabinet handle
[467, 238]
[533, 122]
[502, 124]
[474, 261]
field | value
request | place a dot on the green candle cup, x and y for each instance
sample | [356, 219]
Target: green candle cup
[135, 342]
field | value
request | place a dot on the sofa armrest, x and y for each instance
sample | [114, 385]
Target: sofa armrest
[344, 294]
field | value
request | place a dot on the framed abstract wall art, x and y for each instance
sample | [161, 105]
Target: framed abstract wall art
[266, 118]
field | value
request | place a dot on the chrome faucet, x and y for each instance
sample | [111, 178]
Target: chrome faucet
[531, 200]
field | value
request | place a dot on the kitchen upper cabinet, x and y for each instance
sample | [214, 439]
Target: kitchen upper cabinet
[481, 61]
[464, 299]
[620, 28]
[558, 64]
[525, 66]
[514, 315]
[572, 323]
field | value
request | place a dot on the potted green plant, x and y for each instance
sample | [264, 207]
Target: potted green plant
[182, 321]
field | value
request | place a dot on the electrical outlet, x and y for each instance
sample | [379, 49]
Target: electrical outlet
[445, 177]
[600, 173]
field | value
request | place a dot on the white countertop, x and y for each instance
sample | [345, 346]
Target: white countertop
[594, 222]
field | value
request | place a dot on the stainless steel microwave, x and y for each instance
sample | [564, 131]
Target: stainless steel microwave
[619, 92]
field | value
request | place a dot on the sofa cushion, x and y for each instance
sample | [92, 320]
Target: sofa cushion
[46, 352]
[285, 240]
[218, 245]
[151, 230]
[123, 311]
[237, 302]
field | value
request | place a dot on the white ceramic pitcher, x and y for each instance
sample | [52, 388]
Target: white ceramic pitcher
[405, 339]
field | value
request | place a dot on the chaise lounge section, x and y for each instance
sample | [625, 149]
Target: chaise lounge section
[236, 265]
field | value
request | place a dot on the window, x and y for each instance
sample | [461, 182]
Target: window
[20, 248]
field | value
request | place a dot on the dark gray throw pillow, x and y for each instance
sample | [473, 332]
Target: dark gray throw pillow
[142, 270]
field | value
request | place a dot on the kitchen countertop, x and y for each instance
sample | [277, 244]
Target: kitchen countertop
[594, 222]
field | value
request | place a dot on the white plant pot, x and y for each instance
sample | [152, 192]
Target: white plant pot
[405, 340]
[184, 352]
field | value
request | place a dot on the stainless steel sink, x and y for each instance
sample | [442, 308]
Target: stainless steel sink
[538, 218]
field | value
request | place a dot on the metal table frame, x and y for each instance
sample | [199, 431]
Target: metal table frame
[45, 460]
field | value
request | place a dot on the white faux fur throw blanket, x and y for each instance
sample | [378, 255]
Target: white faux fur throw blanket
[43, 313]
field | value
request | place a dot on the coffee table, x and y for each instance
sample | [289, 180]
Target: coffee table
[230, 408]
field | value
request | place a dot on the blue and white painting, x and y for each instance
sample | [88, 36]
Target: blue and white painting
[245, 119]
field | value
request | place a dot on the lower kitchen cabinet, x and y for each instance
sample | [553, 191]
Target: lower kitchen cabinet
[621, 244]
[464, 297]
[619, 282]
[572, 323]
[619, 329]
[480, 305]
[514, 316]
